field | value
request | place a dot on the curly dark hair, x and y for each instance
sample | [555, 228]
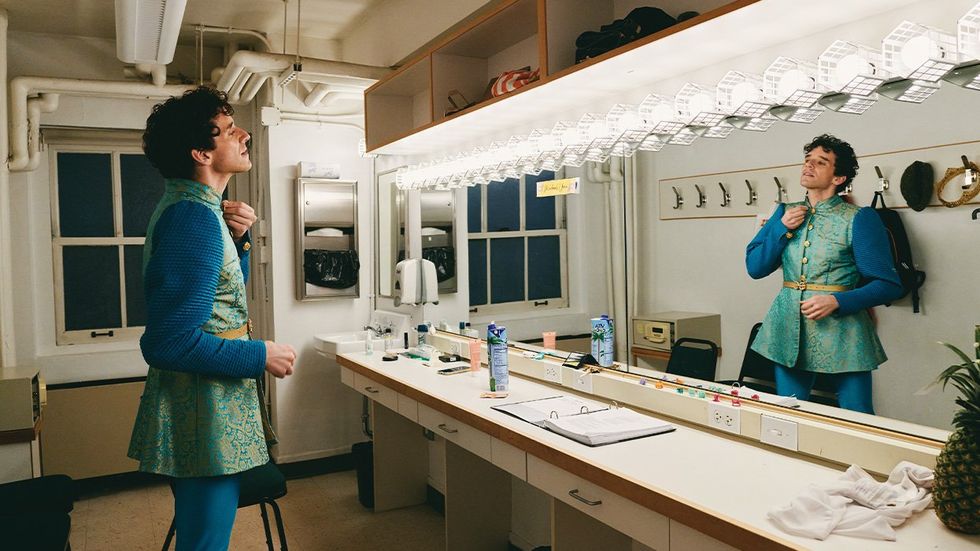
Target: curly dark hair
[846, 163]
[180, 125]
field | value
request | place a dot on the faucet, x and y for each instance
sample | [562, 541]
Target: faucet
[379, 330]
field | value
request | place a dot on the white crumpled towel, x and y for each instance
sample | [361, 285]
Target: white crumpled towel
[858, 505]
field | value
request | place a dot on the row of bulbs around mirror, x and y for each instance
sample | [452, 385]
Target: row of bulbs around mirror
[847, 78]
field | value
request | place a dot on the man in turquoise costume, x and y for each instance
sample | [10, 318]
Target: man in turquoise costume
[836, 264]
[199, 419]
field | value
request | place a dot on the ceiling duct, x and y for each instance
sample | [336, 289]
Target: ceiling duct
[146, 30]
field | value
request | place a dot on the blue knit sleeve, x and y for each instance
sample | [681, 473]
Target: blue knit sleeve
[180, 281]
[872, 254]
[764, 254]
[244, 247]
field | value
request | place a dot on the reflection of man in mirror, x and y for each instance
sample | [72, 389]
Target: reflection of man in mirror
[826, 246]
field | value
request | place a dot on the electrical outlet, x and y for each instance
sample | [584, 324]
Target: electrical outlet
[779, 432]
[725, 417]
[582, 381]
[552, 372]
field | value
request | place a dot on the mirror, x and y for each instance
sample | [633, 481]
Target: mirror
[438, 210]
[698, 264]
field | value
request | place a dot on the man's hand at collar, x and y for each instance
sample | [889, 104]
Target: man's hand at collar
[239, 217]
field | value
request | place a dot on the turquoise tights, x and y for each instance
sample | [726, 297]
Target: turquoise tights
[853, 388]
[204, 510]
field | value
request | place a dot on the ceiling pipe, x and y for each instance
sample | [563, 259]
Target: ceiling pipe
[334, 91]
[43, 103]
[25, 87]
[247, 71]
[231, 30]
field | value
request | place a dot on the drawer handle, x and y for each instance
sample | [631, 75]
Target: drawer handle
[371, 389]
[447, 429]
[574, 493]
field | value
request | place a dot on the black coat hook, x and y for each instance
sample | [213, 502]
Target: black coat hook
[976, 212]
[702, 199]
[726, 198]
[678, 200]
[753, 196]
[780, 193]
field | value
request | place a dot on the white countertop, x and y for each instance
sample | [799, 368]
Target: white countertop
[725, 478]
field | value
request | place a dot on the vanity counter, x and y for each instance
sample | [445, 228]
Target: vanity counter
[717, 486]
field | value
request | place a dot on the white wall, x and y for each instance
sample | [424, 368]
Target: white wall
[699, 264]
[315, 414]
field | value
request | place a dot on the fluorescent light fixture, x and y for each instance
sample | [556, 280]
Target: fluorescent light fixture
[797, 114]
[754, 124]
[908, 90]
[851, 68]
[793, 82]
[147, 30]
[741, 94]
[696, 104]
[660, 114]
[848, 103]
[917, 52]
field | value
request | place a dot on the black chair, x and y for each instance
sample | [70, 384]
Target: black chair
[690, 357]
[34, 513]
[261, 485]
[758, 373]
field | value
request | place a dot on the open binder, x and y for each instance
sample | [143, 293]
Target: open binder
[589, 422]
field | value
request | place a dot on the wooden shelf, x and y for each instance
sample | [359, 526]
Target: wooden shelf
[399, 104]
[625, 74]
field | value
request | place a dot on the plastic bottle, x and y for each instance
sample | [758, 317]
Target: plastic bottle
[423, 334]
[603, 340]
[497, 357]
[368, 344]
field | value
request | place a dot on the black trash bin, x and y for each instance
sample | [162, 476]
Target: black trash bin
[363, 453]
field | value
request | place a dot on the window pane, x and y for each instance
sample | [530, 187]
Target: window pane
[478, 272]
[503, 205]
[543, 267]
[474, 206]
[506, 270]
[539, 212]
[91, 287]
[85, 194]
[135, 301]
[142, 187]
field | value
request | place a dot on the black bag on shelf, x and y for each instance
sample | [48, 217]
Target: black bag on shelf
[638, 23]
[331, 269]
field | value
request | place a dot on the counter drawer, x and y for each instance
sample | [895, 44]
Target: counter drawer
[643, 525]
[376, 391]
[347, 376]
[408, 407]
[457, 432]
[508, 458]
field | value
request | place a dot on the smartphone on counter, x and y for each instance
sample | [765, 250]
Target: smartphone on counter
[454, 370]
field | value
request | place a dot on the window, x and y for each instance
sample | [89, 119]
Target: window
[102, 197]
[517, 247]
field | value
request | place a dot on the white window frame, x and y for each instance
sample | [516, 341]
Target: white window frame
[98, 142]
[561, 231]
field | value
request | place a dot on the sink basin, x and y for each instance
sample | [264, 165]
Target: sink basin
[331, 344]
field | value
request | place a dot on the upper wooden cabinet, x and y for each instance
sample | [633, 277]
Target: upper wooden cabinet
[406, 112]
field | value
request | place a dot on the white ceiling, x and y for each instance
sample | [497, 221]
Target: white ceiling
[321, 19]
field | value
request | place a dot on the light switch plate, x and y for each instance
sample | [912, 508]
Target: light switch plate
[582, 381]
[780, 432]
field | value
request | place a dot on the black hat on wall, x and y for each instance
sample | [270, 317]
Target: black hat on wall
[917, 185]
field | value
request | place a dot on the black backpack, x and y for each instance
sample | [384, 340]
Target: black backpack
[911, 278]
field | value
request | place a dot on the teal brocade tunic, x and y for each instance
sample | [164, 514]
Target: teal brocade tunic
[199, 414]
[822, 250]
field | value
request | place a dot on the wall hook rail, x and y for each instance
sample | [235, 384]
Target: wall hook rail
[678, 199]
[753, 196]
[780, 191]
[702, 198]
[882, 181]
[726, 198]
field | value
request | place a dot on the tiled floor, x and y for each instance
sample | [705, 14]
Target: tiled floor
[320, 513]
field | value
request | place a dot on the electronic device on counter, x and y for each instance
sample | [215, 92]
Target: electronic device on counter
[661, 330]
[22, 394]
[454, 370]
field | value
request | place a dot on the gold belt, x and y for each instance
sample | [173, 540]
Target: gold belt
[805, 286]
[237, 333]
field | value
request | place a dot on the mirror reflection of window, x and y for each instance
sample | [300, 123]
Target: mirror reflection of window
[517, 247]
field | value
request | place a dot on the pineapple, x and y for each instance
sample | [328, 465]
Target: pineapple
[956, 494]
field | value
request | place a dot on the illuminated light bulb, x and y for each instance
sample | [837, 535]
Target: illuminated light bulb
[916, 51]
[793, 80]
[628, 120]
[597, 129]
[701, 103]
[743, 92]
[851, 66]
[661, 113]
[571, 136]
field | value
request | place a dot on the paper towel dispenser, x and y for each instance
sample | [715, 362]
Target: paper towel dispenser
[327, 261]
